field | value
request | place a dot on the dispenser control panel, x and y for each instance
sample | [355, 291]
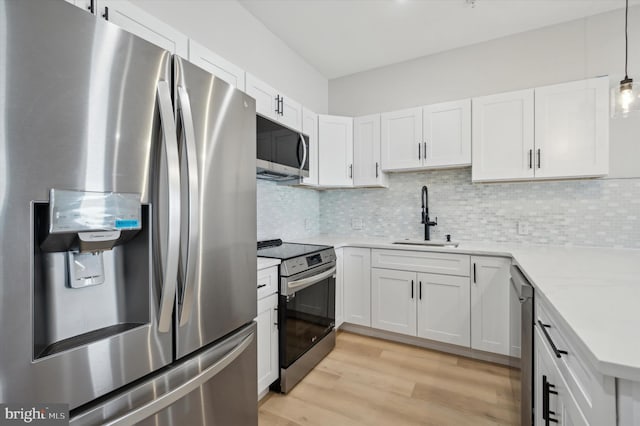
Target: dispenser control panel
[81, 211]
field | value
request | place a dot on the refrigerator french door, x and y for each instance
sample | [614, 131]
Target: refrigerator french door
[115, 282]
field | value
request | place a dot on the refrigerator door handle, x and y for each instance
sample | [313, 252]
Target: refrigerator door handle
[152, 407]
[186, 304]
[170, 147]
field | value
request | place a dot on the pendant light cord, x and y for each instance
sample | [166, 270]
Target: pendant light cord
[626, 39]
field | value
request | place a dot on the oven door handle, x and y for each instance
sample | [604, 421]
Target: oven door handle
[305, 282]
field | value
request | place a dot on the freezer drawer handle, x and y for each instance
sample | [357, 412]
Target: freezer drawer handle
[189, 148]
[152, 407]
[555, 349]
[170, 147]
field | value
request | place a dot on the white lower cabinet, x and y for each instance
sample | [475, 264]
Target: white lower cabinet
[393, 300]
[339, 287]
[443, 308]
[490, 297]
[267, 334]
[356, 270]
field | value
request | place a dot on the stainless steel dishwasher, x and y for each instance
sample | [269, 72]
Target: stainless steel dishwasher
[523, 302]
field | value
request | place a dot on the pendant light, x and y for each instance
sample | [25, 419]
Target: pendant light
[625, 98]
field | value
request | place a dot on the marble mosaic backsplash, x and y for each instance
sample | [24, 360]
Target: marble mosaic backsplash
[286, 212]
[590, 212]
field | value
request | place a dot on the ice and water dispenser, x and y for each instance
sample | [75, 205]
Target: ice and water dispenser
[92, 268]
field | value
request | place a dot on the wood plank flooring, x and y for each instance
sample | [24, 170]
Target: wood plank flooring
[367, 381]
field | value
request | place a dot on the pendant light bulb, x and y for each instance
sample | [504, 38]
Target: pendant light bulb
[626, 97]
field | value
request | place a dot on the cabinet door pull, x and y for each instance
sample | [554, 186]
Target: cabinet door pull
[558, 352]
[538, 157]
[531, 158]
[92, 7]
[277, 110]
[420, 290]
[419, 151]
[474, 273]
[425, 150]
[105, 15]
[262, 285]
[412, 289]
[350, 171]
[546, 391]
[377, 165]
[281, 105]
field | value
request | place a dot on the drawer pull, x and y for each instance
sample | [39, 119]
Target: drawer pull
[555, 349]
[262, 285]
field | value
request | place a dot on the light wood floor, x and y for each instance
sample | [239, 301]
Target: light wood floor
[367, 381]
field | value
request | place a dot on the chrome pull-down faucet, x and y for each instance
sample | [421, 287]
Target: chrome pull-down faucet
[425, 214]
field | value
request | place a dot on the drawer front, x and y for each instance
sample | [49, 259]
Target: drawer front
[420, 261]
[581, 380]
[267, 282]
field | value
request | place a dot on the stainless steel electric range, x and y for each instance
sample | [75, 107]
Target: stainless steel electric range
[306, 307]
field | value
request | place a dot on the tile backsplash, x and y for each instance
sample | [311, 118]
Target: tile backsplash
[286, 212]
[590, 212]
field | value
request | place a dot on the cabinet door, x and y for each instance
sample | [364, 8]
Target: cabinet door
[572, 129]
[357, 285]
[216, 65]
[291, 113]
[366, 152]
[393, 300]
[444, 308]
[339, 287]
[401, 139]
[447, 134]
[490, 292]
[264, 95]
[86, 5]
[335, 141]
[267, 321]
[135, 20]
[310, 128]
[502, 137]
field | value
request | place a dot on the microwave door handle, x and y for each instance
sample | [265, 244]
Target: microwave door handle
[186, 304]
[304, 151]
[305, 282]
[170, 148]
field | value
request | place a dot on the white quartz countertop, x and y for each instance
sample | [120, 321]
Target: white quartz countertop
[266, 262]
[595, 291]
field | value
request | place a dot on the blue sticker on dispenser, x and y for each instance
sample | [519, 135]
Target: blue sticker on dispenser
[127, 223]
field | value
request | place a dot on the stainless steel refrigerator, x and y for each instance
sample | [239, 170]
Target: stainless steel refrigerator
[128, 226]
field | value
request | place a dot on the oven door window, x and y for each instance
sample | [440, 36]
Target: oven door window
[307, 317]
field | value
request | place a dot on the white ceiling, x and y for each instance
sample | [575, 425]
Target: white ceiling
[341, 37]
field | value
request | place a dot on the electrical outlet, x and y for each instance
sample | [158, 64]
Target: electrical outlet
[523, 228]
[357, 224]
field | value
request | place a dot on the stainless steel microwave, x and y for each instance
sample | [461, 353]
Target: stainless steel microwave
[282, 153]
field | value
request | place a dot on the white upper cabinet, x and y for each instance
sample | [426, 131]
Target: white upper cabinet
[434, 136]
[572, 129]
[86, 5]
[447, 134]
[564, 133]
[310, 128]
[490, 298]
[335, 139]
[503, 136]
[401, 139]
[366, 152]
[216, 65]
[272, 104]
[135, 20]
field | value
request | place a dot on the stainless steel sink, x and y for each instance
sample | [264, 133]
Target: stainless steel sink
[427, 243]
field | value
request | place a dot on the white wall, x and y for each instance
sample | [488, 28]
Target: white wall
[579, 49]
[228, 29]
